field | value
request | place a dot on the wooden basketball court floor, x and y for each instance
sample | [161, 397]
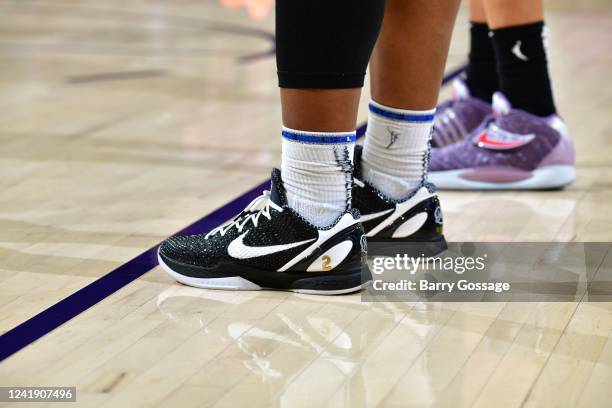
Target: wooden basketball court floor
[123, 122]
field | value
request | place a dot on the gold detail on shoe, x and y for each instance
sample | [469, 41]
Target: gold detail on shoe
[326, 266]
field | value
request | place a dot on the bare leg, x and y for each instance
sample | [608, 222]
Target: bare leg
[504, 13]
[477, 12]
[407, 64]
[320, 110]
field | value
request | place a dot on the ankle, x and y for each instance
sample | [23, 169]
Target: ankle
[317, 173]
[396, 148]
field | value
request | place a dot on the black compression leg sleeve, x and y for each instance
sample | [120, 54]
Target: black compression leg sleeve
[325, 43]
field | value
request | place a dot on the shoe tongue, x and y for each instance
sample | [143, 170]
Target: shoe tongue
[460, 90]
[277, 190]
[501, 104]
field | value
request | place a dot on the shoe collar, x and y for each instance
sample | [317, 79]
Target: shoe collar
[357, 169]
[501, 105]
[278, 196]
[460, 90]
[277, 190]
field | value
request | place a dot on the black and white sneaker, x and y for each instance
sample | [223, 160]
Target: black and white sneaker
[268, 245]
[412, 226]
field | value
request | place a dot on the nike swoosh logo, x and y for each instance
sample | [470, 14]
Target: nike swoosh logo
[400, 209]
[373, 216]
[516, 50]
[483, 140]
[237, 249]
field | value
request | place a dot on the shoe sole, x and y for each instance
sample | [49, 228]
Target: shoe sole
[313, 285]
[544, 178]
[411, 248]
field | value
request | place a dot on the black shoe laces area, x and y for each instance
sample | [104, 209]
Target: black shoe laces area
[258, 207]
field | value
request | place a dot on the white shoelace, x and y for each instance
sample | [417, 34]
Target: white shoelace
[258, 207]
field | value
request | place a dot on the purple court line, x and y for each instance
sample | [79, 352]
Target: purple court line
[51, 318]
[71, 306]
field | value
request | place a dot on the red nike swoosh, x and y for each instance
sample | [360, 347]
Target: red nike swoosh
[483, 141]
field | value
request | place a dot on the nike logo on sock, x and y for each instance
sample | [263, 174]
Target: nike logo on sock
[392, 137]
[516, 50]
[238, 250]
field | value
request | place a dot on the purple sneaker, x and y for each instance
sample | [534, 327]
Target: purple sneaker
[511, 149]
[458, 117]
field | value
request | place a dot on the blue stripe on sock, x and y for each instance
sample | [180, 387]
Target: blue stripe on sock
[405, 117]
[331, 139]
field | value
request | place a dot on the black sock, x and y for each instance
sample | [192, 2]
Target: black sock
[481, 72]
[522, 68]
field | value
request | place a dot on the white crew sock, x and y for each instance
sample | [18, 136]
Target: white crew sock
[316, 169]
[396, 149]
